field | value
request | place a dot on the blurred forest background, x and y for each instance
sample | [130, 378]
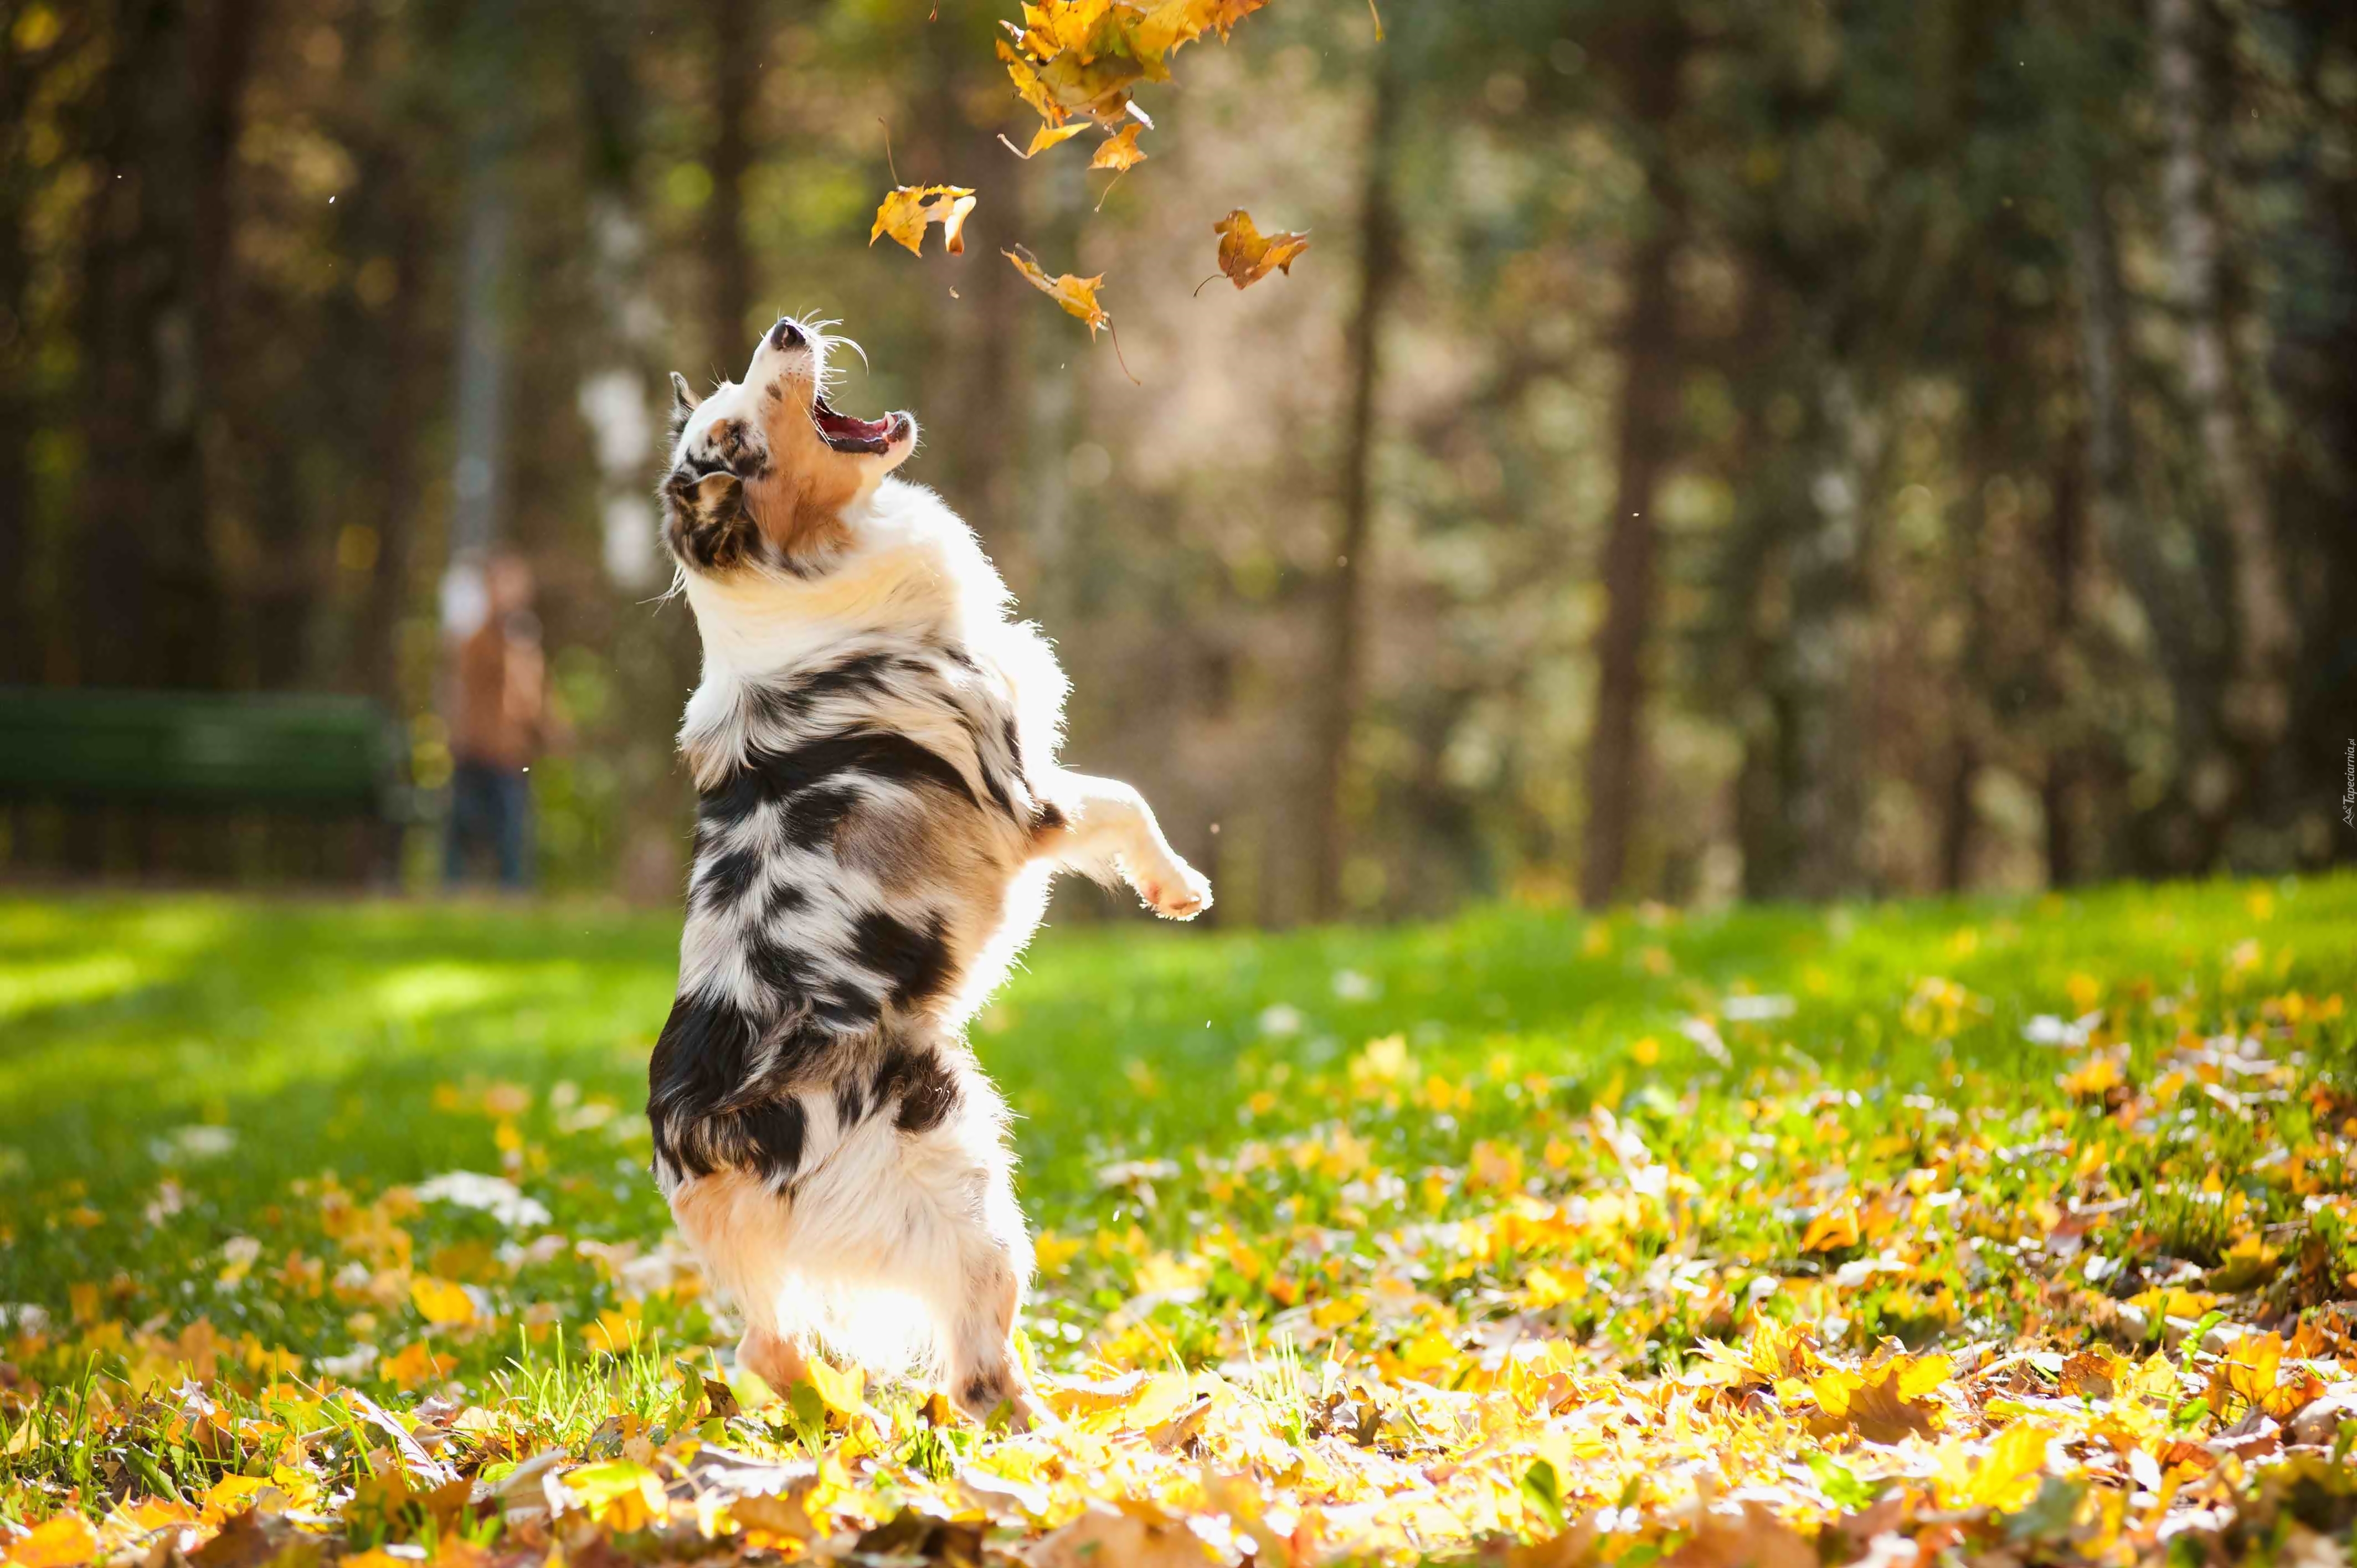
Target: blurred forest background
[1710, 450]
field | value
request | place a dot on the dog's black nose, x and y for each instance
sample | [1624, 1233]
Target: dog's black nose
[786, 335]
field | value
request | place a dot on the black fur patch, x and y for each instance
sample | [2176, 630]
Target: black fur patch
[696, 1083]
[816, 813]
[770, 1137]
[927, 1090]
[726, 878]
[916, 963]
[778, 777]
[698, 1064]
[850, 1104]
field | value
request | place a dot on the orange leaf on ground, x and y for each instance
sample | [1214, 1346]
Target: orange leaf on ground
[60, 1542]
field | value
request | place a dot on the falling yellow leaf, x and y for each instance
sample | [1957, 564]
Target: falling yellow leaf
[905, 213]
[1047, 136]
[1077, 295]
[1247, 256]
[441, 1301]
[1119, 153]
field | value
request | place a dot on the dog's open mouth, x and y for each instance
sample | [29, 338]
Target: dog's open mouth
[845, 434]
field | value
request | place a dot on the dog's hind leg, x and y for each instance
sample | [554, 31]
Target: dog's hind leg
[741, 1229]
[1103, 828]
[943, 1208]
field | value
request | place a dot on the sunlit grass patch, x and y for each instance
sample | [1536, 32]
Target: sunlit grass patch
[1987, 1223]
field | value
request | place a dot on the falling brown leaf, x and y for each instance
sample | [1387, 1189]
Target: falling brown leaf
[906, 212]
[1119, 153]
[1083, 56]
[1047, 136]
[1247, 256]
[1077, 295]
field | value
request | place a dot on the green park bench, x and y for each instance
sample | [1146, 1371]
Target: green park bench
[189, 757]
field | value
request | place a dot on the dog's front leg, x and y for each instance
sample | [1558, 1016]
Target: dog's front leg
[1104, 829]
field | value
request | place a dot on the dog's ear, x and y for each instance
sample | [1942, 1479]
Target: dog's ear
[683, 403]
[705, 520]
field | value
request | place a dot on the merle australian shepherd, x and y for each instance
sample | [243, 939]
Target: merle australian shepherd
[881, 811]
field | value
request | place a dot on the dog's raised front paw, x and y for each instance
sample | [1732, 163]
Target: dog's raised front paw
[1179, 891]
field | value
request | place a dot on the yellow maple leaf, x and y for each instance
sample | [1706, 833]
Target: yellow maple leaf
[2007, 1475]
[440, 1301]
[1247, 256]
[621, 1494]
[1882, 1402]
[844, 1392]
[1119, 153]
[60, 1542]
[1833, 1230]
[1077, 295]
[905, 213]
[1027, 85]
[1047, 136]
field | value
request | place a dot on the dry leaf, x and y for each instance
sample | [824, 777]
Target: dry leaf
[1247, 256]
[906, 212]
[1047, 136]
[1077, 295]
[1119, 153]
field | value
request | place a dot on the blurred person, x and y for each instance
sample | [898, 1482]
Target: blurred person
[501, 719]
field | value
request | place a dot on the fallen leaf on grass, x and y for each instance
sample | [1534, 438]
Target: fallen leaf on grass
[441, 1301]
[1885, 1403]
[1077, 295]
[910, 208]
[64, 1542]
[1247, 256]
[1102, 1537]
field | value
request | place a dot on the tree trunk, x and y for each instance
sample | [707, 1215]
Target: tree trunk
[1337, 713]
[151, 599]
[1822, 666]
[2067, 567]
[2256, 703]
[736, 79]
[1649, 395]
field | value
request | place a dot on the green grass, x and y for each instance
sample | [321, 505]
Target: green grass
[1281, 1156]
[319, 1033]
